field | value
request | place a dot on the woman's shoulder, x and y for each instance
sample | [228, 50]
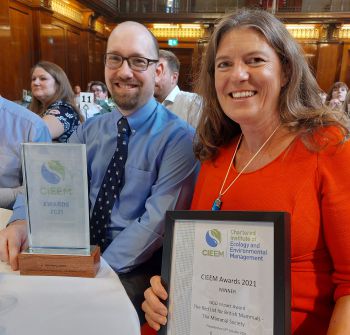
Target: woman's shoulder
[61, 105]
[333, 146]
[325, 140]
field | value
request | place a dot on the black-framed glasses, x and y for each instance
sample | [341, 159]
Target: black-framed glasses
[114, 61]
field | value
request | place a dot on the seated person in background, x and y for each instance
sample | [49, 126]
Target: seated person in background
[77, 91]
[267, 143]
[336, 95]
[140, 164]
[53, 100]
[17, 125]
[323, 96]
[347, 104]
[101, 97]
[184, 104]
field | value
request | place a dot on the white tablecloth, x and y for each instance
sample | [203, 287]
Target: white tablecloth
[40, 305]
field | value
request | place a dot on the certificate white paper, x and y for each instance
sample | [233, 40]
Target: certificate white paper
[233, 279]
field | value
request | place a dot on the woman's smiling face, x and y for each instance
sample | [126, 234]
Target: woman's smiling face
[248, 77]
[43, 85]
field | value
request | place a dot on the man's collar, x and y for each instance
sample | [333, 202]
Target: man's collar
[172, 95]
[140, 116]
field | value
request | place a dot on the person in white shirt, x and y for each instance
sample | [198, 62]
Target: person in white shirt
[186, 105]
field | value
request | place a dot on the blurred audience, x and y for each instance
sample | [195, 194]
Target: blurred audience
[347, 104]
[336, 95]
[101, 97]
[53, 100]
[77, 91]
[323, 96]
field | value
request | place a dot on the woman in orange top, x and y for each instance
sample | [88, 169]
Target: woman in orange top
[266, 142]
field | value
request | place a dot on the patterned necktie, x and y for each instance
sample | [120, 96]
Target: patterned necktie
[111, 186]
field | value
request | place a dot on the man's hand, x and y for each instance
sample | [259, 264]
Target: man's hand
[13, 240]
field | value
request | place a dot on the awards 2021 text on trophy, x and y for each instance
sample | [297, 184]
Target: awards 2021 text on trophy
[55, 179]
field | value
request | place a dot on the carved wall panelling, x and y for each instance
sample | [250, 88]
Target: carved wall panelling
[345, 68]
[187, 53]
[311, 52]
[17, 51]
[53, 40]
[74, 58]
[4, 16]
[329, 63]
[96, 50]
[5, 42]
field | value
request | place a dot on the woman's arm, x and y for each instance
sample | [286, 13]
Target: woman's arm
[55, 125]
[340, 321]
[155, 310]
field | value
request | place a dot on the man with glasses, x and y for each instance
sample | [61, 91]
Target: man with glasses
[101, 103]
[140, 164]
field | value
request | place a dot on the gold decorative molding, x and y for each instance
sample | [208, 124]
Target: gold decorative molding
[344, 31]
[304, 31]
[188, 31]
[99, 27]
[64, 9]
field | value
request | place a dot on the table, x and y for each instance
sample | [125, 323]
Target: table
[35, 305]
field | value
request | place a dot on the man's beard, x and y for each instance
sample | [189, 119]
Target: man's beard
[126, 101]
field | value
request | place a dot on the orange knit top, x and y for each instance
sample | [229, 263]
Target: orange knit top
[314, 187]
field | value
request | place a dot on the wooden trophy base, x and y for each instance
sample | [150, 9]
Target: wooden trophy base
[60, 265]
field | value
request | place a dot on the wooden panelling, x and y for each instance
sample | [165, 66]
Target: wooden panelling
[74, 65]
[345, 69]
[100, 49]
[52, 44]
[4, 8]
[187, 55]
[5, 59]
[22, 46]
[328, 63]
[16, 40]
[310, 50]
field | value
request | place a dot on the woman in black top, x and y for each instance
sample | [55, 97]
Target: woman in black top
[53, 100]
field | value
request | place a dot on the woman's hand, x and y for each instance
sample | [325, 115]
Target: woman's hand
[340, 321]
[335, 104]
[155, 310]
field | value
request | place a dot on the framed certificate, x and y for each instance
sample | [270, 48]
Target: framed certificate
[227, 272]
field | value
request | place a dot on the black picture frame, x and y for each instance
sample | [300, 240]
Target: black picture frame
[281, 263]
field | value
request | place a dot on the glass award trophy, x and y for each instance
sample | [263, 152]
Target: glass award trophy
[56, 191]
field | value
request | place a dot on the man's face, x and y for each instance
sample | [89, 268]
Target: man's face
[77, 89]
[165, 82]
[98, 92]
[131, 89]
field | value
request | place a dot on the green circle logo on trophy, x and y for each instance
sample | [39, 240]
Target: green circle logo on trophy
[53, 172]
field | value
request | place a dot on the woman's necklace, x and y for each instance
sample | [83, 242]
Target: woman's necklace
[218, 202]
